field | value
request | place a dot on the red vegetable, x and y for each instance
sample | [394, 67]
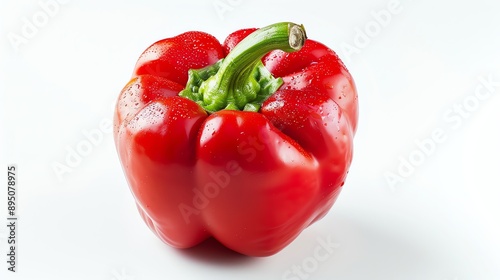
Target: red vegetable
[251, 148]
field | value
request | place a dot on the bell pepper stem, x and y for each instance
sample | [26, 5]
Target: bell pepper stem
[240, 81]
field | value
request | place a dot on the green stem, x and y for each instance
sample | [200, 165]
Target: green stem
[240, 81]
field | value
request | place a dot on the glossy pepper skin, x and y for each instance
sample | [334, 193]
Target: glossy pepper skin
[252, 168]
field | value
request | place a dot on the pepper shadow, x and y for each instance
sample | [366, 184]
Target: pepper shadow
[213, 252]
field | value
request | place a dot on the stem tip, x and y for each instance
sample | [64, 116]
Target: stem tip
[297, 36]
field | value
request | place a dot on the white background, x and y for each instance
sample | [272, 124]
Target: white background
[440, 222]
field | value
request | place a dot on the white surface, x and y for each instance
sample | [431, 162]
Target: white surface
[441, 223]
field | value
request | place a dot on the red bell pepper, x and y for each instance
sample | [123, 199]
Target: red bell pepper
[248, 141]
